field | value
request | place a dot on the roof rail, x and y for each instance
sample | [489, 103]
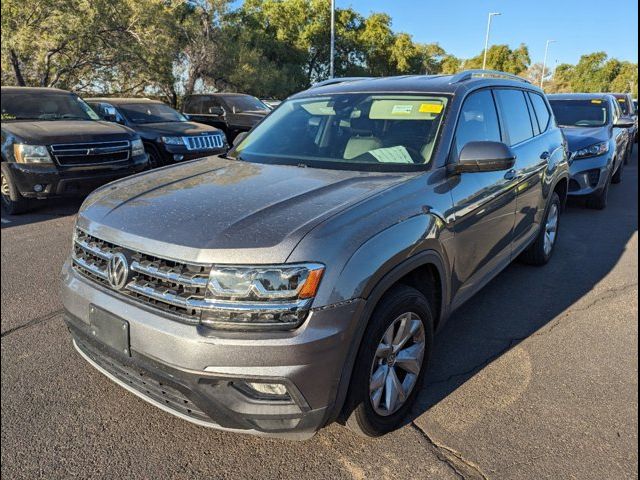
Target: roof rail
[335, 81]
[469, 74]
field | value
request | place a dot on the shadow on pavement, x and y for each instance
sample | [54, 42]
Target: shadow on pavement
[42, 212]
[523, 299]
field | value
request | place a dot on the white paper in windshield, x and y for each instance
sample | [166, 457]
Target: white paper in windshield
[397, 154]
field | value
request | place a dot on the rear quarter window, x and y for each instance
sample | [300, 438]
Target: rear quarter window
[541, 110]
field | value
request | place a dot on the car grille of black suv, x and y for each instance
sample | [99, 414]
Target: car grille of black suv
[145, 384]
[170, 286]
[95, 153]
[203, 142]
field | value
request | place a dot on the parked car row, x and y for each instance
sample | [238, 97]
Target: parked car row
[299, 278]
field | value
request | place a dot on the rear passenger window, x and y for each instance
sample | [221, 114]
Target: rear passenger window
[193, 105]
[478, 121]
[515, 115]
[542, 112]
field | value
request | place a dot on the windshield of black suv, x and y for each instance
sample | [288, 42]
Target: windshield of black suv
[245, 103]
[150, 113]
[362, 131]
[44, 106]
[580, 113]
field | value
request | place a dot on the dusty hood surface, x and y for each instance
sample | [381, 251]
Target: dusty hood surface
[221, 204]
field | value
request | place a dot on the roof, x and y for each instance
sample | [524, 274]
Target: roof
[220, 94]
[579, 96]
[447, 84]
[121, 100]
[34, 90]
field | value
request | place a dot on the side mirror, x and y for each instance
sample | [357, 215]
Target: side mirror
[216, 110]
[110, 118]
[625, 122]
[484, 157]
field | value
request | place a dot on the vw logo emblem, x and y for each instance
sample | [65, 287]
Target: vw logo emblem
[118, 271]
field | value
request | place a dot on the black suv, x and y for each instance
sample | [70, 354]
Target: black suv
[168, 135]
[230, 112]
[53, 145]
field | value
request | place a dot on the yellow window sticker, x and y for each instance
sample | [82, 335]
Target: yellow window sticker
[622, 100]
[431, 108]
[402, 110]
[596, 101]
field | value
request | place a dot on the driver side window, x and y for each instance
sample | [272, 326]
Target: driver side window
[478, 121]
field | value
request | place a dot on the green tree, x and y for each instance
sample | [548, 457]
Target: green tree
[503, 58]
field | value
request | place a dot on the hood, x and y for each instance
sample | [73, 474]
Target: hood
[178, 129]
[582, 137]
[66, 131]
[223, 210]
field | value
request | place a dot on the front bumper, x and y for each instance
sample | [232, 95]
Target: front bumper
[590, 175]
[179, 153]
[203, 367]
[63, 182]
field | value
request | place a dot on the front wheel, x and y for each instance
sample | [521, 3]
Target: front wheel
[12, 201]
[391, 362]
[541, 251]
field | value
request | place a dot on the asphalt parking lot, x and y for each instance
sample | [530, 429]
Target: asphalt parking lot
[534, 378]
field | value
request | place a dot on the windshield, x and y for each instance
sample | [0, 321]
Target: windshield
[150, 113]
[580, 113]
[245, 103]
[349, 131]
[624, 105]
[45, 106]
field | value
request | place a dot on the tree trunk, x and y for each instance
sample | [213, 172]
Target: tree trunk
[15, 63]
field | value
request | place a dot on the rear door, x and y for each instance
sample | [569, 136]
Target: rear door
[484, 203]
[533, 147]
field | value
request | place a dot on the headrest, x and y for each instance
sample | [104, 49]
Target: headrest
[362, 126]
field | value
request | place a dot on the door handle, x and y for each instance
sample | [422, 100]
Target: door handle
[545, 156]
[510, 175]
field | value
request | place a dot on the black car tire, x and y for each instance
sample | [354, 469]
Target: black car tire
[536, 254]
[154, 156]
[617, 177]
[600, 200]
[360, 413]
[12, 202]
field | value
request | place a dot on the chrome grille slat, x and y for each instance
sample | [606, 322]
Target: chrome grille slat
[176, 287]
[204, 142]
[73, 154]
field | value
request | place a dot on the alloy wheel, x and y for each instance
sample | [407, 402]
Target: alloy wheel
[551, 229]
[397, 364]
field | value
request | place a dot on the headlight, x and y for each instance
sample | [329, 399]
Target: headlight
[172, 140]
[137, 147]
[267, 297]
[31, 153]
[592, 151]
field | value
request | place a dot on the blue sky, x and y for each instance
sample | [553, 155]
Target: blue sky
[579, 26]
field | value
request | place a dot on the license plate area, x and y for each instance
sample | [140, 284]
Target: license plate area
[109, 329]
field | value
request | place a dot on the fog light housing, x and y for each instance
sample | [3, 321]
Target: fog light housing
[264, 390]
[38, 188]
[177, 157]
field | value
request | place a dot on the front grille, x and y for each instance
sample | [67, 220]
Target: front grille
[170, 286]
[95, 153]
[204, 142]
[144, 383]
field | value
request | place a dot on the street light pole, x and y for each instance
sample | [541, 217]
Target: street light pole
[544, 64]
[333, 38]
[486, 40]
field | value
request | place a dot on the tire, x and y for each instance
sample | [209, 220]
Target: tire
[617, 177]
[12, 202]
[154, 156]
[599, 201]
[541, 250]
[401, 303]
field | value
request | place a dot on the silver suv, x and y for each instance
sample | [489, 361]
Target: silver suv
[300, 279]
